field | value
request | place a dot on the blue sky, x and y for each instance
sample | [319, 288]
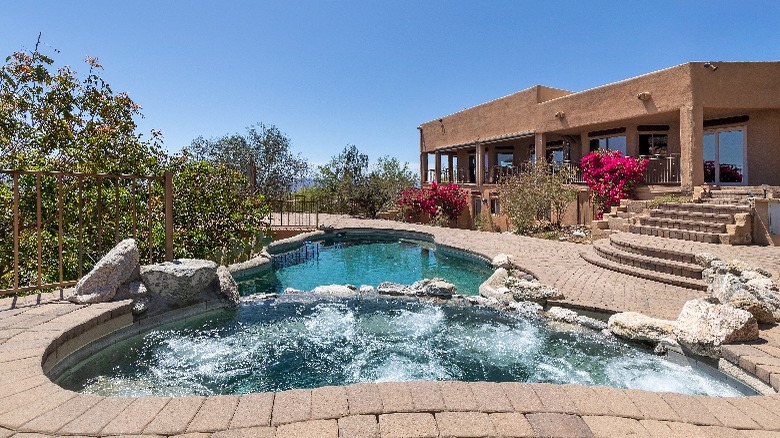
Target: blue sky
[332, 73]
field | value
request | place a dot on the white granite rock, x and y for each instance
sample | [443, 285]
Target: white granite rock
[703, 326]
[179, 282]
[117, 267]
[639, 327]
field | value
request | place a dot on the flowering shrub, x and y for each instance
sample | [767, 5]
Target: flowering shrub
[437, 200]
[611, 177]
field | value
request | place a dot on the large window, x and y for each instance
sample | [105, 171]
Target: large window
[617, 143]
[653, 144]
[724, 156]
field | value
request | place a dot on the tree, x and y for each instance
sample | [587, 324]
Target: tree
[53, 119]
[278, 170]
[356, 190]
[337, 180]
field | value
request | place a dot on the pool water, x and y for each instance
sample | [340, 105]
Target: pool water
[294, 342]
[369, 263]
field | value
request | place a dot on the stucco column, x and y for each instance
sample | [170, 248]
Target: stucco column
[632, 141]
[423, 167]
[540, 146]
[492, 162]
[450, 170]
[437, 166]
[584, 144]
[691, 147]
[480, 164]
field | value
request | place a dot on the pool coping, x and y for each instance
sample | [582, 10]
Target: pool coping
[33, 339]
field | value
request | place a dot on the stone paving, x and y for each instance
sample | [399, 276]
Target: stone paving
[34, 336]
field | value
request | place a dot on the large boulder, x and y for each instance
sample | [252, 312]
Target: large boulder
[524, 290]
[433, 287]
[639, 327]
[227, 285]
[335, 290]
[495, 287]
[395, 289]
[180, 282]
[502, 261]
[101, 283]
[703, 326]
[744, 287]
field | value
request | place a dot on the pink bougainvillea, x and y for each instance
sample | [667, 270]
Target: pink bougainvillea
[611, 177]
[451, 199]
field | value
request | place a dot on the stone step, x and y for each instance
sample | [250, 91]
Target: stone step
[625, 242]
[607, 250]
[682, 224]
[705, 207]
[701, 216]
[591, 256]
[695, 236]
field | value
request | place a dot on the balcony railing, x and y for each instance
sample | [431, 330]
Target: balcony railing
[660, 170]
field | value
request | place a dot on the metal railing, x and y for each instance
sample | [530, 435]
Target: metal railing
[295, 211]
[43, 213]
[662, 170]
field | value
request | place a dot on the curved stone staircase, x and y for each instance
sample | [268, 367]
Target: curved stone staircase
[646, 259]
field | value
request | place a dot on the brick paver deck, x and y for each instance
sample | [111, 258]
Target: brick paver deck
[31, 405]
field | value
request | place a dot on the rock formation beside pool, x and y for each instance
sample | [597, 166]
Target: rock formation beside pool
[430, 287]
[703, 326]
[741, 285]
[525, 290]
[154, 288]
[510, 285]
[119, 266]
[639, 327]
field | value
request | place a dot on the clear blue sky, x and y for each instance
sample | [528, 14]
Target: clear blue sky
[330, 73]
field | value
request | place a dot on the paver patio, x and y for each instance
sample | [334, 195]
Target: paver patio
[31, 405]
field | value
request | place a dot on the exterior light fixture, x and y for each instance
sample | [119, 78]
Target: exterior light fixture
[644, 96]
[560, 114]
[710, 66]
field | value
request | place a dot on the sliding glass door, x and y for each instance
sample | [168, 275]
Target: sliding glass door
[724, 156]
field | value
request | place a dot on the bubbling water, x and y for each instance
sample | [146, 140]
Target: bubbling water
[272, 346]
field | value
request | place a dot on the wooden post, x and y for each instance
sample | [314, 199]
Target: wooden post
[168, 216]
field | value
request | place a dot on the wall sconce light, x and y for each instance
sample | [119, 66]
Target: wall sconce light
[644, 96]
[710, 66]
[560, 114]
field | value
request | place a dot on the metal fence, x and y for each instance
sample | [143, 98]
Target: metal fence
[77, 216]
[295, 212]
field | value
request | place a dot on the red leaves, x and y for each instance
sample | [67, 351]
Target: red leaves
[611, 177]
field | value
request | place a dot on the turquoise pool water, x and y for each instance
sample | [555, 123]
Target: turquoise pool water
[370, 263]
[295, 343]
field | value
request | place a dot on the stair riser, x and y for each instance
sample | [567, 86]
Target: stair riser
[687, 216]
[655, 253]
[707, 208]
[675, 234]
[679, 225]
[657, 267]
[612, 266]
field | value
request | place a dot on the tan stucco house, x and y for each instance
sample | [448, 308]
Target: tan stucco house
[699, 123]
